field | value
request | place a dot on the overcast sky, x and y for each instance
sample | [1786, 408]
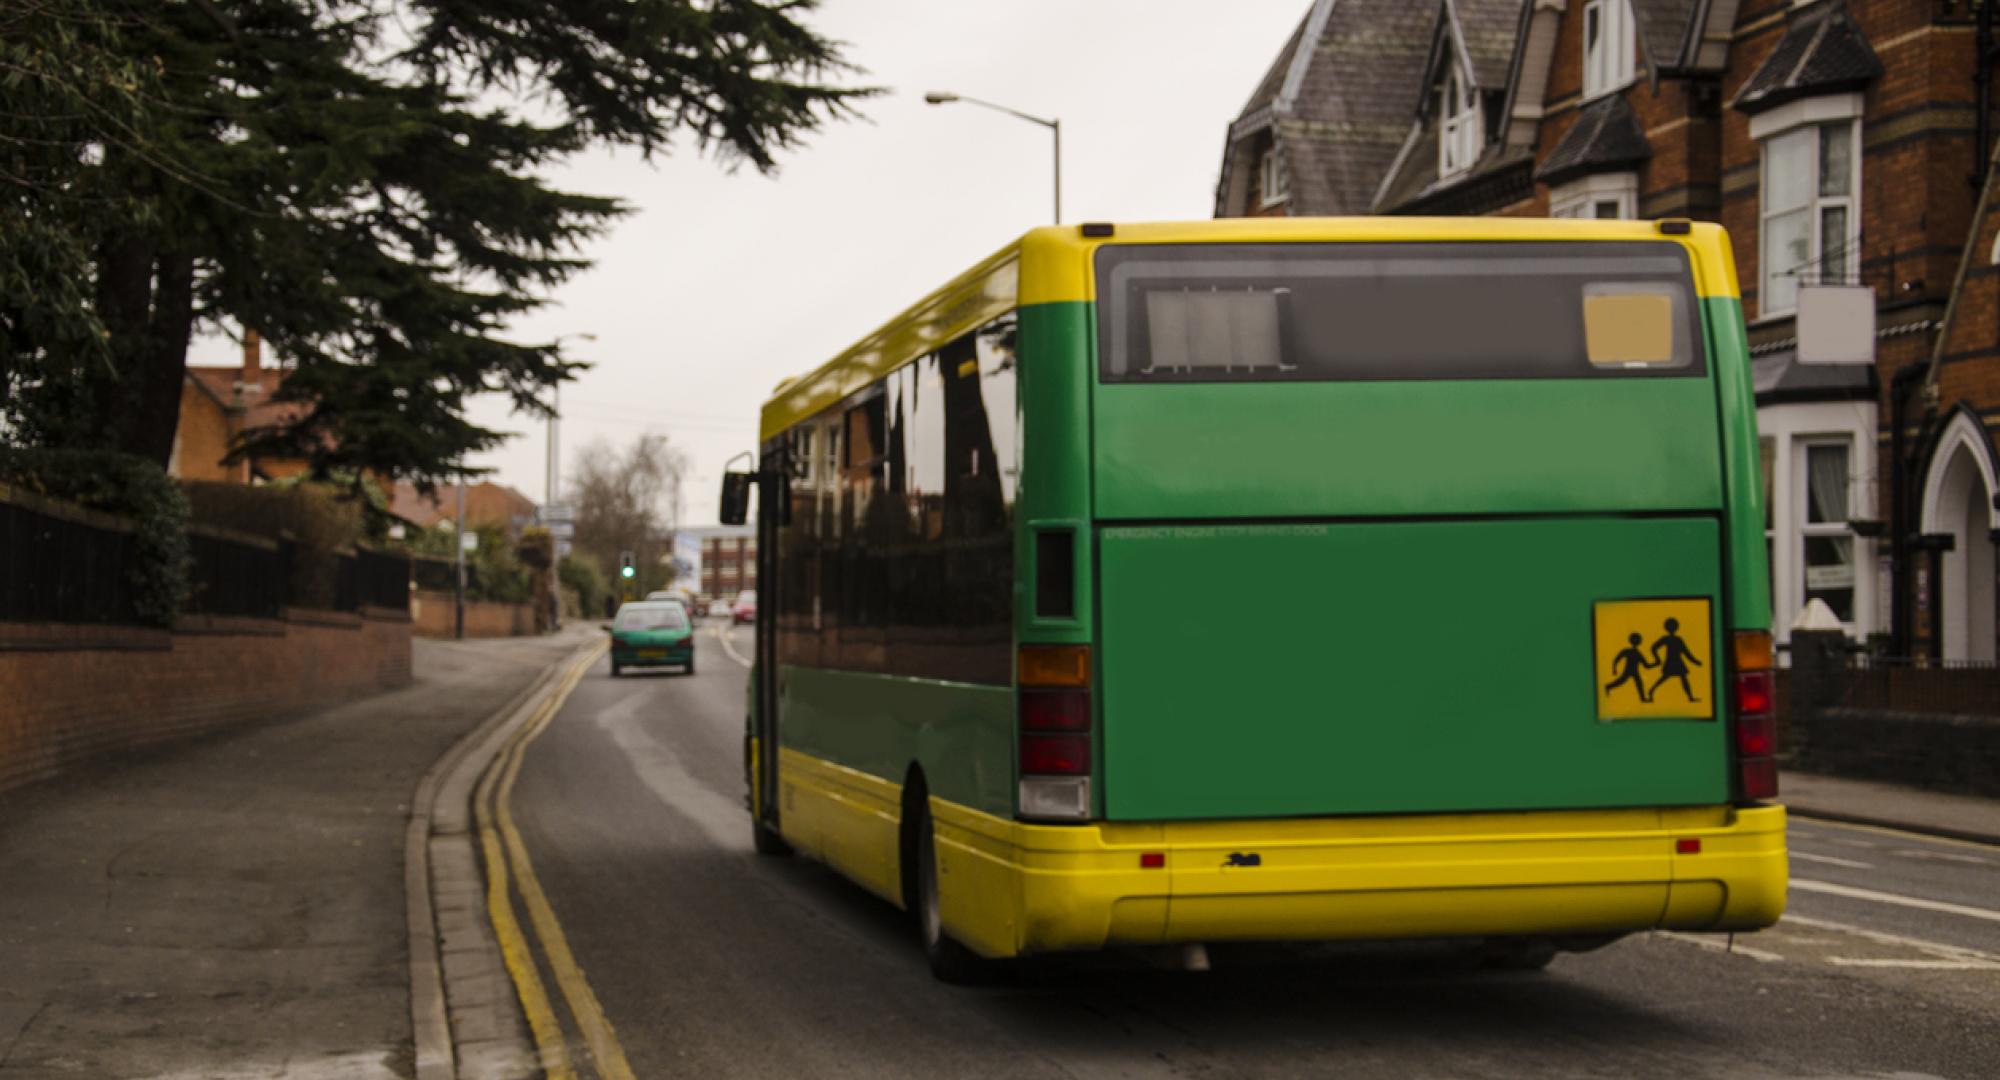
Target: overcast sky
[720, 284]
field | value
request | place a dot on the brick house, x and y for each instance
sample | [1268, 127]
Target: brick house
[1837, 140]
[220, 403]
[486, 503]
[728, 563]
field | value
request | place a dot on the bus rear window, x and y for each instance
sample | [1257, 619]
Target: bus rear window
[1335, 312]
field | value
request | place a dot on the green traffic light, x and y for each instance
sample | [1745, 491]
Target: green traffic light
[628, 571]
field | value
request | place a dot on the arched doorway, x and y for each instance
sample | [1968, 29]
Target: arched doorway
[1959, 488]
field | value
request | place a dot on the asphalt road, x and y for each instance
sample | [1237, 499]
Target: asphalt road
[710, 961]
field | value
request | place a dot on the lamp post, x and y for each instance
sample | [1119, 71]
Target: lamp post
[552, 491]
[942, 97]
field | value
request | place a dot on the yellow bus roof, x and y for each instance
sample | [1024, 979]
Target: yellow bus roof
[1052, 264]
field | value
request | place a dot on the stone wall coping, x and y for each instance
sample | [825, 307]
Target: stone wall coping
[79, 636]
[317, 617]
[244, 625]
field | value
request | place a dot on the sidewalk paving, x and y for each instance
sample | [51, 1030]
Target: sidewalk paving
[233, 907]
[1869, 802]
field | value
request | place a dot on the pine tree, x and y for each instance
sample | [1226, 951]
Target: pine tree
[357, 180]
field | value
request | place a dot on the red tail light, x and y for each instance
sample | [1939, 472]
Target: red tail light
[1753, 693]
[1755, 721]
[1055, 710]
[1757, 736]
[1055, 755]
[1759, 777]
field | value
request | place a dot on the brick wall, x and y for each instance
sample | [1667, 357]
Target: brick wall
[70, 695]
[432, 614]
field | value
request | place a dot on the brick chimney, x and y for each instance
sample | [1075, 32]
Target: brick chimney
[253, 358]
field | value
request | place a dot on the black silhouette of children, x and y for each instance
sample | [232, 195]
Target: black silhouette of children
[1674, 665]
[1628, 664]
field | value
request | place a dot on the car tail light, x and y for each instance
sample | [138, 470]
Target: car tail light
[1754, 717]
[1056, 741]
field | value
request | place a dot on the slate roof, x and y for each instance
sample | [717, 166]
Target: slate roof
[1823, 52]
[1662, 27]
[1779, 378]
[1606, 137]
[1488, 28]
[1355, 89]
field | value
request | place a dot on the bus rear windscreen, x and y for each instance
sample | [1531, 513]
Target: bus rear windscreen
[1335, 312]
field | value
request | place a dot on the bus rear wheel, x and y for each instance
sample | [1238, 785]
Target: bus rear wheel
[950, 962]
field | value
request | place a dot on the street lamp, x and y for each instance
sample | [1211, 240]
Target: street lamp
[553, 491]
[942, 97]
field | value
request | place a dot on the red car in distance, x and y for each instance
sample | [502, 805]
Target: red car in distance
[745, 608]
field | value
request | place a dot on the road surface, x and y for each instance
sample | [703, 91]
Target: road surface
[710, 961]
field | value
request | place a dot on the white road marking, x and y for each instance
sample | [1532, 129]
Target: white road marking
[1852, 893]
[1946, 856]
[1900, 834]
[723, 635]
[1956, 953]
[1830, 860]
[1720, 944]
[1920, 965]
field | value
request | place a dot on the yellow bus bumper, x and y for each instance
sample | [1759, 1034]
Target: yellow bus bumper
[1009, 889]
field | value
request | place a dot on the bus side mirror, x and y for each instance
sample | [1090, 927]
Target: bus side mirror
[735, 498]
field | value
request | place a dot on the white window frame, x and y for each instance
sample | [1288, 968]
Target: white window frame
[1612, 65]
[1273, 186]
[1461, 125]
[1815, 112]
[1792, 428]
[1584, 197]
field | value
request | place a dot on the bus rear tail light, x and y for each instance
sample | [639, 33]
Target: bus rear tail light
[1754, 717]
[1056, 741]
[1055, 755]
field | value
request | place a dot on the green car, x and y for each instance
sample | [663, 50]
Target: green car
[653, 633]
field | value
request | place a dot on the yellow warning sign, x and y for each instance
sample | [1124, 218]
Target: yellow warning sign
[1655, 659]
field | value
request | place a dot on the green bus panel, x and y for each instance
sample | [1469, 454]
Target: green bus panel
[1394, 667]
[1406, 448]
[877, 724]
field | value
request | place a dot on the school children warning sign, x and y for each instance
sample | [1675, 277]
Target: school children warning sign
[1655, 659]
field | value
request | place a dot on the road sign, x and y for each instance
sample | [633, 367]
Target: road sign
[562, 530]
[558, 513]
[1655, 659]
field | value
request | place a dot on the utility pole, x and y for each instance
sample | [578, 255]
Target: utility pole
[554, 493]
[458, 563]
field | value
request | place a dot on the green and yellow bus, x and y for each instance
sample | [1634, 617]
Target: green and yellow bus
[1334, 579]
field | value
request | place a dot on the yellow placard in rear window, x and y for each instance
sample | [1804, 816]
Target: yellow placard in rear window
[1655, 659]
[1628, 328]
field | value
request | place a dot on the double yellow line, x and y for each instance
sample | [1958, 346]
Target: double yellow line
[500, 842]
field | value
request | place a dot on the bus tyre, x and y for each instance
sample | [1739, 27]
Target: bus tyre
[950, 962]
[767, 840]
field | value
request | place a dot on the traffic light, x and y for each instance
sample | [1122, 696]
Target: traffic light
[627, 567]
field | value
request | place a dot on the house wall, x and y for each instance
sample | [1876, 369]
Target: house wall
[73, 695]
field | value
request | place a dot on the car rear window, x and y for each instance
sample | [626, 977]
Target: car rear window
[1334, 312]
[651, 617]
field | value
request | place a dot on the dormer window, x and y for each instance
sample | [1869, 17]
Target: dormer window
[1608, 46]
[1460, 126]
[1272, 185]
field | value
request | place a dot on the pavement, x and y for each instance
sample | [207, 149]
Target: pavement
[234, 907]
[1893, 806]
